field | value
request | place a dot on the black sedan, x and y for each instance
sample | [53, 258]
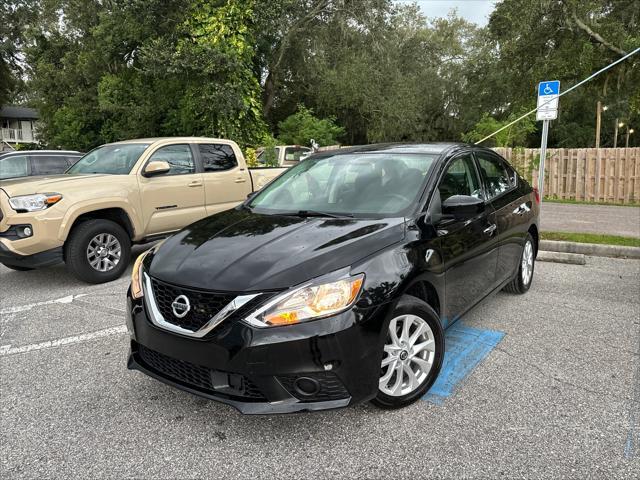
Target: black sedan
[333, 285]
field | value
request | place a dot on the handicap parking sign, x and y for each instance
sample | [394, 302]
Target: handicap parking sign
[548, 100]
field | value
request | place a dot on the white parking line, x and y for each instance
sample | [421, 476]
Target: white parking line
[6, 350]
[29, 306]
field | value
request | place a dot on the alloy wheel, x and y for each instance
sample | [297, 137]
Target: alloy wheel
[527, 263]
[409, 355]
[103, 252]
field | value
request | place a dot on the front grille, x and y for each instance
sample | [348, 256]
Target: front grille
[204, 305]
[198, 376]
[331, 388]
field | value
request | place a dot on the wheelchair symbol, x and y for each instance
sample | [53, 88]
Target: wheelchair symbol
[547, 89]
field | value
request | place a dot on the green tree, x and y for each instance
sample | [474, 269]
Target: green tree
[302, 127]
[513, 136]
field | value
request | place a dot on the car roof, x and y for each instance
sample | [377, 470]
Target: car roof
[151, 140]
[39, 152]
[437, 148]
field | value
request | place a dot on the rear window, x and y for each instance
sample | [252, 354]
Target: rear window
[217, 157]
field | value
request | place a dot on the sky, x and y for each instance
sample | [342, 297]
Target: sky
[476, 11]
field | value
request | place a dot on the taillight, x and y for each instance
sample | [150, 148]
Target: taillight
[537, 194]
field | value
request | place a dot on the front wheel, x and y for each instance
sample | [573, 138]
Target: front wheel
[412, 356]
[98, 251]
[522, 281]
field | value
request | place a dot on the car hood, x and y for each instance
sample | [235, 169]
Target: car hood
[49, 183]
[240, 251]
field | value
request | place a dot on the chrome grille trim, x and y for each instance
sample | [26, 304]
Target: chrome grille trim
[158, 320]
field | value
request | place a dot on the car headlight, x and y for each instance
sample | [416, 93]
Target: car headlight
[34, 203]
[136, 273]
[308, 302]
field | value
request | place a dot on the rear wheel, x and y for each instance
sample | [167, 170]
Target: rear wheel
[17, 269]
[522, 281]
[98, 251]
[412, 356]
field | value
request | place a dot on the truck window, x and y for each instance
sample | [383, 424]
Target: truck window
[178, 156]
[217, 157]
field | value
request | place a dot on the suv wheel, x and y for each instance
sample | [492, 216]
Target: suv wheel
[522, 281]
[412, 354]
[98, 251]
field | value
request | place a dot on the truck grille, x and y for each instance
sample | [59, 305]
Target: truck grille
[198, 376]
[204, 305]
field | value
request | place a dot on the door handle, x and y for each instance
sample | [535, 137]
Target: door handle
[241, 180]
[522, 209]
[195, 183]
[490, 229]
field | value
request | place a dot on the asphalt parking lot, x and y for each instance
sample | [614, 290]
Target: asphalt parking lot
[559, 395]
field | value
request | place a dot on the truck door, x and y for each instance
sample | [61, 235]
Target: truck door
[226, 181]
[175, 199]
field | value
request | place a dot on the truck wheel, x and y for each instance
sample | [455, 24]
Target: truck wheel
[97, 251]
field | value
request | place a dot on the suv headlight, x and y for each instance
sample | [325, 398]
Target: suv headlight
[34, 203]
[313, 300]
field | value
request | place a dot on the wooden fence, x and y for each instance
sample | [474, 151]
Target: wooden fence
[609, 175]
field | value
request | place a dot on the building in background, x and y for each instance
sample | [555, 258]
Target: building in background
[18, 126]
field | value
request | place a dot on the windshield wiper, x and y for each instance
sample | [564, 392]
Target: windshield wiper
[315, 213]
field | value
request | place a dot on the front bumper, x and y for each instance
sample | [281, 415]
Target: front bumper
[37, 260]
[323, 364]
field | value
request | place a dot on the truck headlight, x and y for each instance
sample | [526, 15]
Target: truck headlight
[34, 203]
[308, 302]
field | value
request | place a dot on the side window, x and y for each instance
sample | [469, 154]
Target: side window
[460, 178]
[217, 157]
[178, 157]
[293, 154]
[494, 173]
[45, 165]
[14, 166]
[72, 160]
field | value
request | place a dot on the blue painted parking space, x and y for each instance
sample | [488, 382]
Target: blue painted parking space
[466, 348]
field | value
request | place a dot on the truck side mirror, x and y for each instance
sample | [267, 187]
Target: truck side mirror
[157, 167]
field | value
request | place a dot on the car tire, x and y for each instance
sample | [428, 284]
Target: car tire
[419, 313]
[523, 279]
[17, 269]
[85, 247]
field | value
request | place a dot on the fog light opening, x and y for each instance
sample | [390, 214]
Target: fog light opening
[27, 232]
[306, 386]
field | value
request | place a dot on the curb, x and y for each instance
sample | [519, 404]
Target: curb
[593, 249]
[559, 257]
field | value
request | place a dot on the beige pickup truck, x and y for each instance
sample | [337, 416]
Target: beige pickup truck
[117, 195]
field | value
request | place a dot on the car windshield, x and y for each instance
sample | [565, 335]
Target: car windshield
[361, 185]
[116, 159]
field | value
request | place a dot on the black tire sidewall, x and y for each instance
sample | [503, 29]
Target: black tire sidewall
[76, 248]
[414, 306]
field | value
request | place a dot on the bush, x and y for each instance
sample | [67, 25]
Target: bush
[301, 127]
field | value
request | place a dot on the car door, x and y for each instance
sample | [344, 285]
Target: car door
[226, 183]
[175, 199]
[511, 207]
[48, 164]
[467, 247]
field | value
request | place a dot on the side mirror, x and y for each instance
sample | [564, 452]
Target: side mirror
[462, 207]
[157, 167]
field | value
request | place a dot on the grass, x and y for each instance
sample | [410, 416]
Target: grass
[591, 238]
[573, 201]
